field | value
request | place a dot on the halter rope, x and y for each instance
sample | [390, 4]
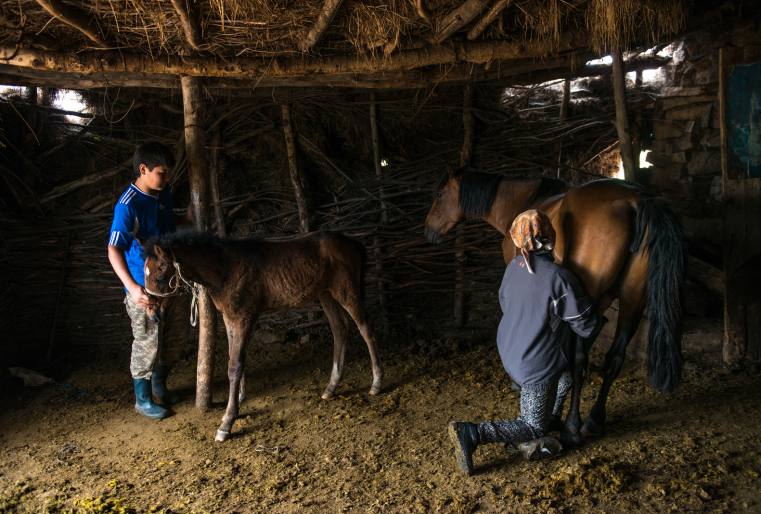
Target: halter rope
[176, 290]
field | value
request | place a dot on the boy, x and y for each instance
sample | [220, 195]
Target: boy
[542, 304]
[145, 210]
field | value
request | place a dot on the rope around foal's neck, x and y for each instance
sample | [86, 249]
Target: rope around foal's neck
[176, 291]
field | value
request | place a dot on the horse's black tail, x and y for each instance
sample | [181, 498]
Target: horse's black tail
[666, 247]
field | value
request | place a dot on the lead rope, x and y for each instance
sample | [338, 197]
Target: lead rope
[193, 287]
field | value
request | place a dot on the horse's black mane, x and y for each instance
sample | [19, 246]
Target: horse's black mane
[477, 188]
[194, 237]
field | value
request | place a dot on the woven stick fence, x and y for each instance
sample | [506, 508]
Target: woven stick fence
[516, 132]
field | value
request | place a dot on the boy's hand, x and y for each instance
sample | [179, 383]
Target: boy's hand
[143, 299]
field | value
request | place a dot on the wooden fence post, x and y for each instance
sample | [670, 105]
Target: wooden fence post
[465, 158]
[301, 201]
[195, 149]
[382, 294]
[564, 104]
[216, 138]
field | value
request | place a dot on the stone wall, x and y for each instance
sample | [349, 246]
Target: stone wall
[684, 136]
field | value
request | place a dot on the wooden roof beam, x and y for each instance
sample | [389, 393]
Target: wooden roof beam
[300, 67]
[324, 19]
[487, 19]
[73, 17]
[461, 16]
[188, 22]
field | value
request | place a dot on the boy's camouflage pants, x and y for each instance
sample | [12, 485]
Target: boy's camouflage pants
[157, 343]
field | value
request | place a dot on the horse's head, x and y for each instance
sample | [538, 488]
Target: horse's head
[445, 212]
[159, 270]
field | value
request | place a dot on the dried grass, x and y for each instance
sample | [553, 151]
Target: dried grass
[268, 28]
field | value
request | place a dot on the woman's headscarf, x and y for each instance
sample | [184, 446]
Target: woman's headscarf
[532, 230]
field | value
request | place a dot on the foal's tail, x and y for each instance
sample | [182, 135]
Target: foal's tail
[666, 247]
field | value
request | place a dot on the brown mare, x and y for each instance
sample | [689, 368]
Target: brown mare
[620, 240]
[246, 278]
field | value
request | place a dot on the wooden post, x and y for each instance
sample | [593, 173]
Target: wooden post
[216, 139]
[465, 158]
[742, 210]
[564, 104]
[301, 201]
[382, 294]
[195, 149]
[622, 121]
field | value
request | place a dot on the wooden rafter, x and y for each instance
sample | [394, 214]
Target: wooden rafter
[324, 19]
[188, 22]
[487, 19]
[73, 17]
[461, 16]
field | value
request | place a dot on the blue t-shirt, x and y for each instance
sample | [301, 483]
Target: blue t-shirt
[142, 215]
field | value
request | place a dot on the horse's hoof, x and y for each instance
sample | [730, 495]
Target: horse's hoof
[222, 436]
[327, 395]
[570, 439]
[592, 428]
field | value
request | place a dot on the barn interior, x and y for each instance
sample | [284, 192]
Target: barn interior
[291, 117]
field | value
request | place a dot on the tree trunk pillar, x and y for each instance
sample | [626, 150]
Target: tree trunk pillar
[622, 120]
[198, 174]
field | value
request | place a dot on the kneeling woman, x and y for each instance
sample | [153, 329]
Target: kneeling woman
[542, 305]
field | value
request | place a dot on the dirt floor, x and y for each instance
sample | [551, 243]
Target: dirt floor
[83, 448]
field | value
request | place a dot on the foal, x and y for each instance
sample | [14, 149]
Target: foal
[246, 278]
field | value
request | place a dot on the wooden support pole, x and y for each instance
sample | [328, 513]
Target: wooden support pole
[198, 175]
[622, 120]
[188, 22]
[298, 191]
[382, 294]
[466, 155]
[564, 104]
[75, 18]
[487, 19]
[324, 19]
[216, 139]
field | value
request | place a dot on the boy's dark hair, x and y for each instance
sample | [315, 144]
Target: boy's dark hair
[152, 154]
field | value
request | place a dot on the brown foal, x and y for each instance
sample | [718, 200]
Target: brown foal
[620, 240]
[246, 278]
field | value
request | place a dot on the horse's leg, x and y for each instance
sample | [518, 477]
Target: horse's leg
[571, 432]
[353, 304]
[631, 304]
[230, 328]
[241, 333]
[340, 328]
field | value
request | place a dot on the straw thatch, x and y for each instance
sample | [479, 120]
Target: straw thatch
[260, 39]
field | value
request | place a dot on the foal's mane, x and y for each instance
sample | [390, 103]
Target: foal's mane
[195, 238]
[478, 188]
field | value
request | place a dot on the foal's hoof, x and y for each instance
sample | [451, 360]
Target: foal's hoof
[592, 428]
[328, 394]
[222, 436]
[375, 391]
[569, 438]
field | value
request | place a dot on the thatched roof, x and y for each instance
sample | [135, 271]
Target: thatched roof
[338, 43]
